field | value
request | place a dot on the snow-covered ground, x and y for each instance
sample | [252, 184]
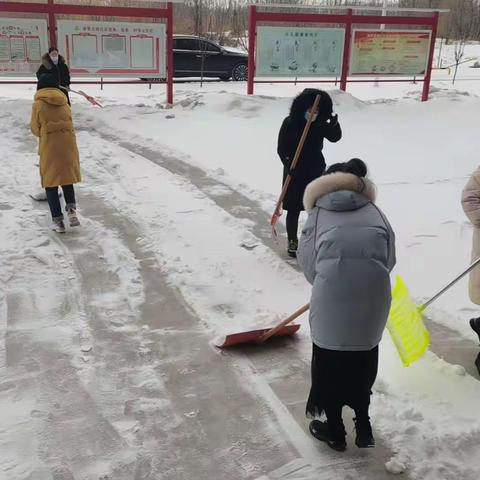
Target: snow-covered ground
[106, 365]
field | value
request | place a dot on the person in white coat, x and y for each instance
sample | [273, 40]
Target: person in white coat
[471, 207]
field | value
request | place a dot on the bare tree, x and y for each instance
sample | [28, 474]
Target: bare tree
[459, 53]
[464, 26]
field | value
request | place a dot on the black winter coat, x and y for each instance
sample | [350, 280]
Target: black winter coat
[59, 71]
[311, 164]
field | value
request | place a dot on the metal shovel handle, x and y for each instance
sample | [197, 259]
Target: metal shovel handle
[451, 284]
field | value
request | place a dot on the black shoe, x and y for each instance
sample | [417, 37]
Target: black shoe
[475, 324]
[364, 437]
[292, 248]
[321, 432]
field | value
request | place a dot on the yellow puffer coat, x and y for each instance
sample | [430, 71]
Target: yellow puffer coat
[52, 123]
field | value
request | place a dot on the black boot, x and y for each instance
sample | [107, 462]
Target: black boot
[292, 248]
[321, 432]
[364, 437]
[475, 324]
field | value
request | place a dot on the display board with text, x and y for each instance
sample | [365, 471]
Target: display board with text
[299, 51]
[22, 43]
[399, 53]
[113, 48]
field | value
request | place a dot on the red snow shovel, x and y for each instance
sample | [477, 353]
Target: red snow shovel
[84, 95]
[283, 329]
[278, 208]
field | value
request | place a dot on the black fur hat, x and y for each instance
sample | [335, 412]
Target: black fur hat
[305, 100]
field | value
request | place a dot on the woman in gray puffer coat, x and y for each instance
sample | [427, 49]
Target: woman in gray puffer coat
[346, 251]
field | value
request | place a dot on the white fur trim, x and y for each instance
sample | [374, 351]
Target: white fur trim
[335, 182]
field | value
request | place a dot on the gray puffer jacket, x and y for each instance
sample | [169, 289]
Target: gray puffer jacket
[347, 251]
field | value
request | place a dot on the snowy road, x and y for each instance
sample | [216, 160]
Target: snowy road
[107, 368]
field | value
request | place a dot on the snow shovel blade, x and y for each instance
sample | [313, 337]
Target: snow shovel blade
[275, 218]
[273, 223]
[255, 336]
[90, 99]
[405, 325]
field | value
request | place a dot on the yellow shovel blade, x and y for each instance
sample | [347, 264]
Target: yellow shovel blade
[406, 326]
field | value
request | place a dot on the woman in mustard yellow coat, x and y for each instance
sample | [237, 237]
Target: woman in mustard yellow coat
[59, 159]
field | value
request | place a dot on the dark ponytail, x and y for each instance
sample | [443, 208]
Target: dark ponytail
[355, 166]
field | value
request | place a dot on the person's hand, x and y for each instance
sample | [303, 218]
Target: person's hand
[332, 121]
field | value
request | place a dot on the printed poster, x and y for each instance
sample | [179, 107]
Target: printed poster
[299, 51]
[389, 53]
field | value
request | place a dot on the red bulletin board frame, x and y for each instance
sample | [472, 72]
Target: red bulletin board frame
[348, 19]
[53, 9]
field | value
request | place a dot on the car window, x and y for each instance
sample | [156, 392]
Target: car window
[186, 44]
[210, 47]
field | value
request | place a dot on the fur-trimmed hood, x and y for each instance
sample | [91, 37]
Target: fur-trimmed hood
[305, 100]
[47, 62]
[337, 182]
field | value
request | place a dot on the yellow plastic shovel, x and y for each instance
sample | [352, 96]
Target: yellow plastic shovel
[405, 322]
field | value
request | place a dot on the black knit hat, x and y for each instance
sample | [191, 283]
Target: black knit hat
[47, 80]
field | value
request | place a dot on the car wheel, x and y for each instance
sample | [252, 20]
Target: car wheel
[240, 72]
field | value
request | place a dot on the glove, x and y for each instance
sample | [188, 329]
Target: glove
[333, 120]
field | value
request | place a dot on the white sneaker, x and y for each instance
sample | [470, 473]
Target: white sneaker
[72, 218]
[58, 226]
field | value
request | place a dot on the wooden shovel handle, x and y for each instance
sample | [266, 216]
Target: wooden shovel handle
[298, 152]
[284, 323]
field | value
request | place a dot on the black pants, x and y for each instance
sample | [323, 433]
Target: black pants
[341, 378]
[292, 224]
[54, 201]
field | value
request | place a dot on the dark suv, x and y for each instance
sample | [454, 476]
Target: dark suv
[193, 54]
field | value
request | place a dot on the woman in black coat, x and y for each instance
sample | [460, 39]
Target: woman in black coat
[311, 164]
[54, 64]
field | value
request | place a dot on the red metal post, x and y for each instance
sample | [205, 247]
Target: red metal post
[252, 39]
[169, 53]
[428, 76]
[346, 50]
[52, 24]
